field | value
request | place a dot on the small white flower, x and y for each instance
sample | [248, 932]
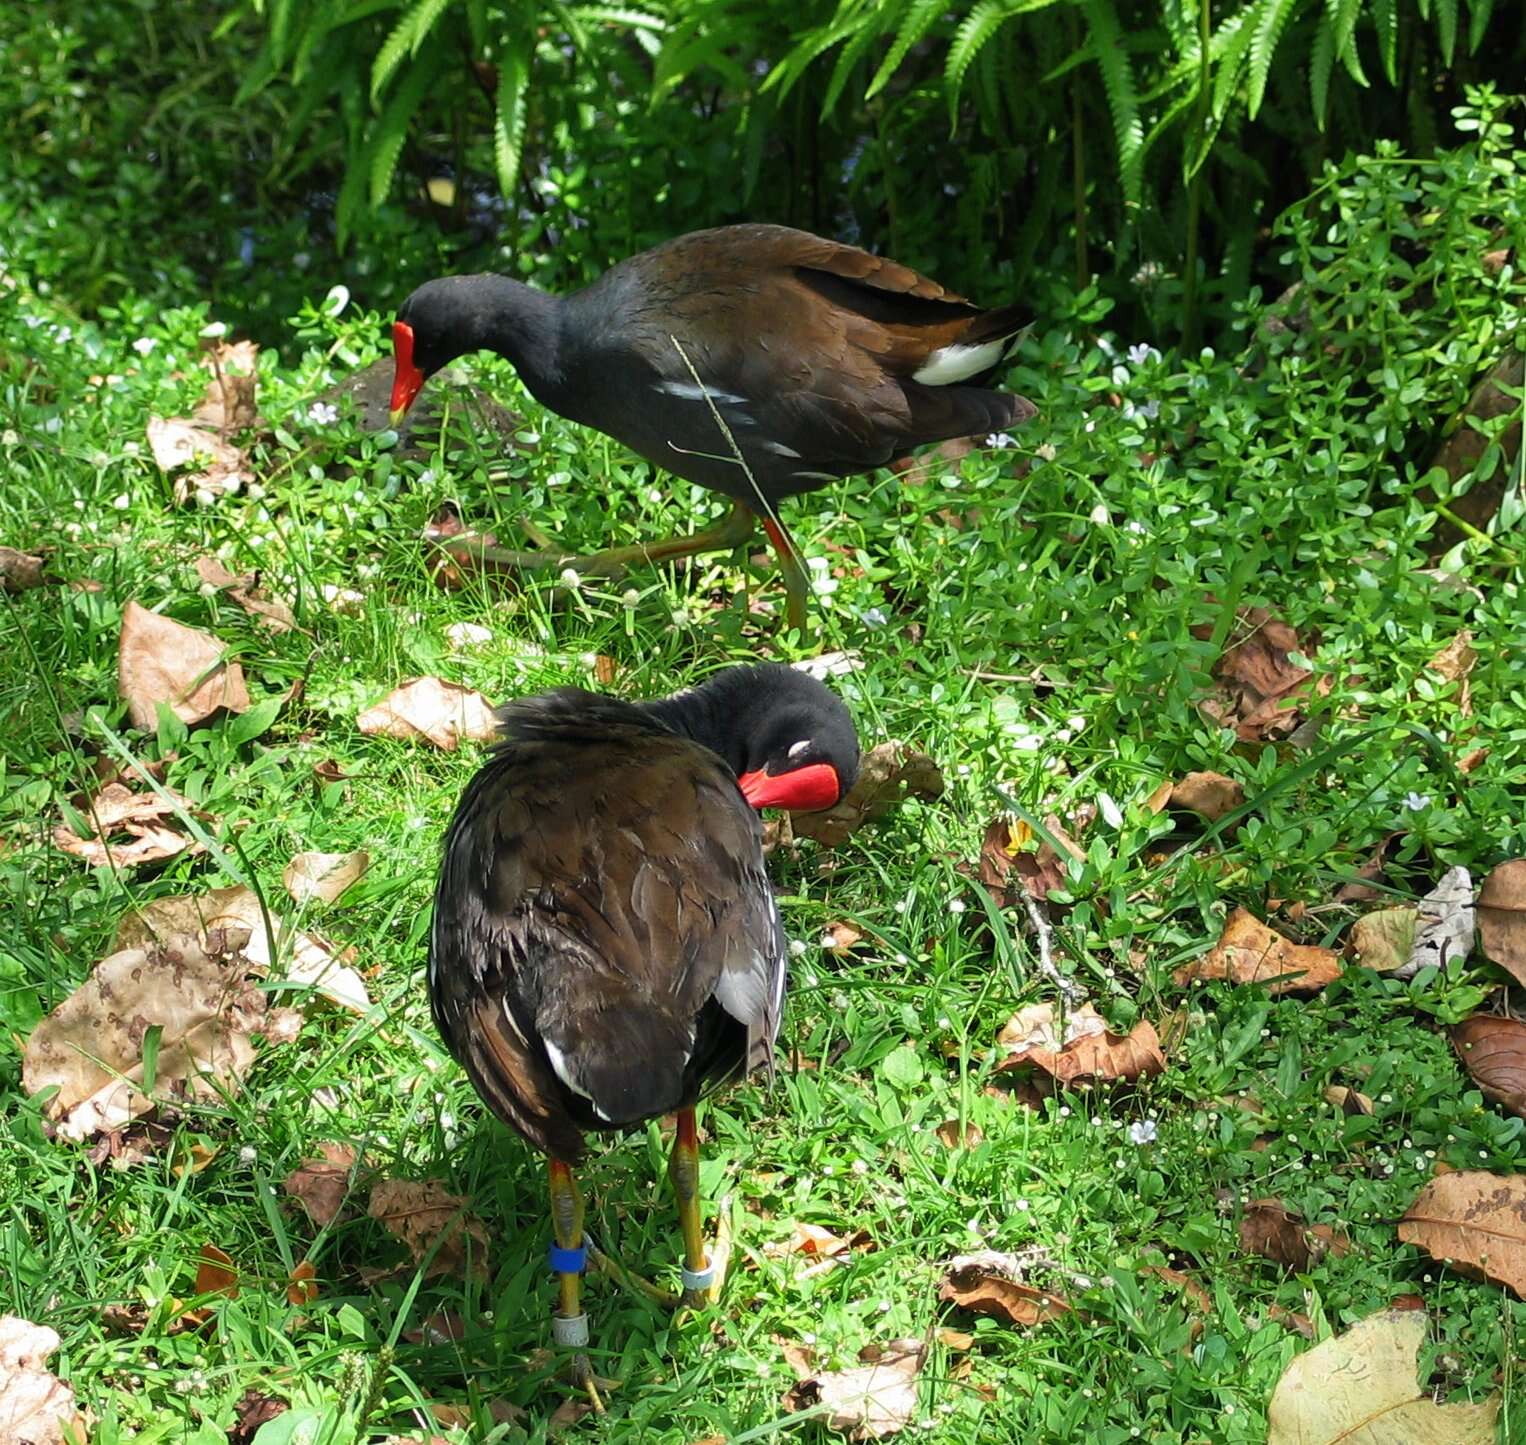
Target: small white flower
[214, 330]
[796, 947]
[144, 344]
[323, 413]
[121, 501]
[874, 617]
[956, 905]
[248, 1154]
[337, 299]
[447, 1121]
[630, 599]
[1141, 353]
[860, 1166]
[1046, 451]
[1000, 441]
[1416, 802]
[1023, 1206]
[1112, 814]
[680, 617]
[1099, 516]
[1142, 1131]
[828, 941]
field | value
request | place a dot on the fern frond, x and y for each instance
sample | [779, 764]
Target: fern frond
[1122, 96]
[1346, 13]
[476, 25]
[392, 128]
[915, 23]
[569, 21]
[509, 113]
[847, 58]
[419, 19]
[619, 15]
[280, 29]
[1237, 32]
[1321, 63]
[1480, 12]
[1446, 27]
[974, 31]
[1270, 21]
[1385, 15]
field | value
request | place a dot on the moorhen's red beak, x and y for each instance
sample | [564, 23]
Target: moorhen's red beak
[407, 379]
[804, 790]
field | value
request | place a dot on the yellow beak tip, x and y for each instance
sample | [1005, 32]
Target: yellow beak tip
[396, 417]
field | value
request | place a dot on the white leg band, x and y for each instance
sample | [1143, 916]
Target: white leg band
[699, 1279]
[570, 1331]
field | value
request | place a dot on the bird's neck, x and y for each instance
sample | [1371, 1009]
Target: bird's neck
[696, 715]
[525, 326]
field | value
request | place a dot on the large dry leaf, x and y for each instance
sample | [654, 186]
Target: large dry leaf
[36, 1407]
[1047, 1026]
[322, 877]
[177, 443]
[887, 774]
[1360, 889]
[203, 1001]
[1454, 662]
[245, 590]
[441, 712]
[1014, 860]
[867, 1402]
[1384, 940]
[422, 1213]
[1502, 917]
[295, 957]
[1259, 684]
[1275, 1232]
[229, 404]
[128, 828]
[1093, 1057]
[1493, 1050]
[20, 571]
[1361, 1388]
[1475, 1222]
[984, 1284]
[161, 660]
[1210, 795]
[1445, 926]
[321, 1185]
[1250, 952]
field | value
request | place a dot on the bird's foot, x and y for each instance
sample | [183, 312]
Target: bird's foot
[580, 1374]
[611, 1268]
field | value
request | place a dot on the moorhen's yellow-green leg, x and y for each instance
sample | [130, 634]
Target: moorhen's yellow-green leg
[702, 1276]
[569, 1325]
[797, 585]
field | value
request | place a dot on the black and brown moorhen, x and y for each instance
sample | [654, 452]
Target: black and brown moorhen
[821, 360]
[605, 946]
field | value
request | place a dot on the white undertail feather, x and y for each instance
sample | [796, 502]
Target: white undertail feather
[950, 365]
[559, 1068]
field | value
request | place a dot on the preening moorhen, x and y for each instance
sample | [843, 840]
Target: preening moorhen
[821, 360]
[605, 946]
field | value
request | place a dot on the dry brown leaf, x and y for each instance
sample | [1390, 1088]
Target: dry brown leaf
[130, 828]
[216, 1273]
[301, 1284]
[868, 1402]
[1493, 1050]
[253, 1410]
[1250, 952]
[36, 1407]
[322, 877]
[441, 712]
[1010, 847]
[245, 590]
[1158, 801]
[177, 443]
[1299, 1323]
[229, 402]
[1046, 1026]
[956, 1341]
[1472, 759]
[1090, 1057]
[1348, 1101]
[1275, 1232]
[1445, 926]
[205, 1003]
[1454, 662]
[1384, 939]
[321, 1185]
[842, 935]
[1363, 1386]
[887, 774]
[1210, 795]
[980, 1283]
[953, 1134]
[161, 660]
[1475, 1222]
[1371, 869]
[422, 1213]
[1501, 912]
[1259, 685]
[567, 1414]
[1202, 1301]
[20, 571]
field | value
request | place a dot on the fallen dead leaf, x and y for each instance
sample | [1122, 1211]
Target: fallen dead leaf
[981, 1284]
[322, 877]
[1475, 1222]
[1047, 1026]
[567, 1414]
[245, 591]
[20, 571]
[887, 774]
[801, 1359]
[1300, 1324]
[321, 1185]
[868, 1402]
[204, 1002]
[177, 444]
[1471, 760]
[1360, 889]
[1348, 1101]
[229, 403]
[1454, 662]
[1202, 1301]
[463, 636]
[1210, 795]
[128, 829]
[443, 713]
[1250, 952]
[1502, 917]
[429, 1220]
[1093, 1057]
[161, 660]
[1445, 926]
[36, 1407]
[216, 1273]
[840, 937]
[1259, 685]
[957, 1341]
[953, 1134]
[1011, 847]
[1493, 1050]
[1275, 1232]
[1363, 1385]
[1384, 939]
[301, 1284]
[253, 1410]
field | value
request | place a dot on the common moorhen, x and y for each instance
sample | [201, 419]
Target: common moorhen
[605, 946]
[811, 359]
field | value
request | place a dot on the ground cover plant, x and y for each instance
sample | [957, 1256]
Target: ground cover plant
[1139, 1078]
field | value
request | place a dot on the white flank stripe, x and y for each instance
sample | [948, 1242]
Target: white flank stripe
[781, 449]
[559, 1067]
[951, 364]
[687, 391]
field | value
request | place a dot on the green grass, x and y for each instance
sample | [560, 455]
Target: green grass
[1026, 619]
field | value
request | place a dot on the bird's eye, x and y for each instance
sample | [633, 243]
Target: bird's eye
[798, 749]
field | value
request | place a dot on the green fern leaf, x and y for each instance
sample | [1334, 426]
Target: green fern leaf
[916, 22]
[1480, 12]
[1385, 15]
[401, 42]
[974, 30]
[476, 24]
[619, 15]
[1232, 54]
[392, 128]
[789, 70]
[847, 58]
[1122, 96]
[1446, 27]
[1270, 20]
[509, 114]
[1321, 63]
[280, 30]
[575, 32]
[1346, 14]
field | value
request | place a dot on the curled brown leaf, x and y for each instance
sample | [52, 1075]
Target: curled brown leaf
[1493, 1050]
[1250, 952]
